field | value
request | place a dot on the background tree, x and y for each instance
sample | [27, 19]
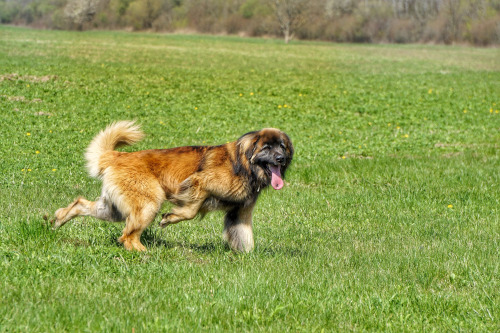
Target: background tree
[79, 12]
[289, 15]
[374, 21]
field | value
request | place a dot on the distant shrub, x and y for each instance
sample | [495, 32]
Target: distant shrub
[485, 32]
[403, 31]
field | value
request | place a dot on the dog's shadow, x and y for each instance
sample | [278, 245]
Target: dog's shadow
[151, 239]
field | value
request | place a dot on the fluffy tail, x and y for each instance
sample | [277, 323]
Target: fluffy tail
[116, 134]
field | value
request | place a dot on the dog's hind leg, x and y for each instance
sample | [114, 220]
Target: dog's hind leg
[135, 224]
[102, 209]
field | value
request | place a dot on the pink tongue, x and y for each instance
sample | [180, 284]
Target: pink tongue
[276, 180]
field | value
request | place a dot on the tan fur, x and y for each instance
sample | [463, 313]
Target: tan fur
[195, 179]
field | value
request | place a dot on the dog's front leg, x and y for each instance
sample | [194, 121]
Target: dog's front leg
[238, 228]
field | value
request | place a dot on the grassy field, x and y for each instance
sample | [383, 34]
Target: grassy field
[389, 220]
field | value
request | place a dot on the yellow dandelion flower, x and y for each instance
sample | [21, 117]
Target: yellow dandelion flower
[37, 152]
[370, 123]
[430, 91]
[496, 111]
[491, 110]
[279, 106]
[343, 157]
[398, 127]
[22, 170]
[54, 170]
[285, 106]
[465, 111]
[27, 86]
[29, 170]
[50, 131]
[406, 136]
[251, 94]
[389, 124]
[340, 132]
[241, 95]
[300, 95]
[28, 134]
[450, 206]
[196, 108]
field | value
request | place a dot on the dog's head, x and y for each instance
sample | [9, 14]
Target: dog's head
[269, 152]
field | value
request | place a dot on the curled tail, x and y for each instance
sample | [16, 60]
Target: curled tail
[116, 134]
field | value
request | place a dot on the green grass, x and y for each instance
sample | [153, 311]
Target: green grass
[389, 220]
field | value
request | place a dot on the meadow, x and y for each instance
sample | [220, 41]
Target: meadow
[388, 221]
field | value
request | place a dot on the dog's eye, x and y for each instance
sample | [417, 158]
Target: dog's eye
[282, 145]
[266, 147]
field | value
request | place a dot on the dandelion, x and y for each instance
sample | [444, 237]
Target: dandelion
[340, 132]
[50, 131]
[496, 111]
[22, 170]
[398, 127]
[251, 94]
[27, 86]
[491, 110]
[28, 134]
[37, 152]
[54, 170]
[389, 124]
[29, 170]
[450, 206]
[241, 95]
[300, 95]
[370, 123]
[285, 106]
[196, 108]
[465, 111]
[430, 91]
[406, 136]
[279, 106]
[343, 157]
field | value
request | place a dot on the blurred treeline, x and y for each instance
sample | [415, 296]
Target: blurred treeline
[373, 21]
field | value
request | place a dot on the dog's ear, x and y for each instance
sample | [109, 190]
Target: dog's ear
[248, 143]
[289, 148]
[289, 152]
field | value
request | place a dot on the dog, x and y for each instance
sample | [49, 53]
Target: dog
[196, 179]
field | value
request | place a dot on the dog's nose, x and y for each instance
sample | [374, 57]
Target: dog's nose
[280, 158]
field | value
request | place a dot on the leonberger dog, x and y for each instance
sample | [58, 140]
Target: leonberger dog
[196, 179]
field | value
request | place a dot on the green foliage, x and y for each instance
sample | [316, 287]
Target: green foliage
[389, 220]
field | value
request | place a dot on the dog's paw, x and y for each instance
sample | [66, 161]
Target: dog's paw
[165, 220]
